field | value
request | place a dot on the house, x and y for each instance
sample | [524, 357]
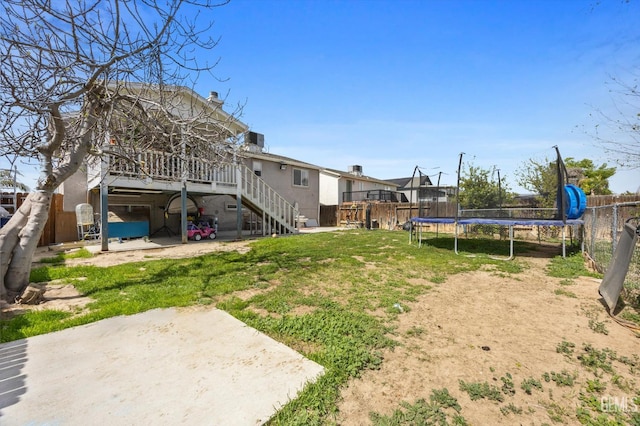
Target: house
[421, 189]
[8, 191]
[160, 191]
[337, 187]
[296, 181]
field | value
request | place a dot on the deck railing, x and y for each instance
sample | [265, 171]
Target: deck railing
[165, 166]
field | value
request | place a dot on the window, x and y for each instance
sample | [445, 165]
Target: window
[257, 167]
[300, 177]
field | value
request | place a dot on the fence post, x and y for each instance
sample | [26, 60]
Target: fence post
[593, 233]
[614, 231]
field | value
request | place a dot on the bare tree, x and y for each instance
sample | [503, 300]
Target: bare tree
[618, 132]
[81, 75]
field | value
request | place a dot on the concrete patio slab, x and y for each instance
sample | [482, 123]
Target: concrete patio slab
[163, 367]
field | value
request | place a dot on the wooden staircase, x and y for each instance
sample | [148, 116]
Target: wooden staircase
[278, 215]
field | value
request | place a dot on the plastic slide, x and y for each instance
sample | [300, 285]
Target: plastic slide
[613, 280]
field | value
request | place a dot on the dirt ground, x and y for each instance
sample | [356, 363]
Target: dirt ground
[477, 327]
[474, 327]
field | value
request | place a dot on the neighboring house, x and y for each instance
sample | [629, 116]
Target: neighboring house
[421, 189]
[337, 187]
[8, 190]
[415, 188]
[160, 191]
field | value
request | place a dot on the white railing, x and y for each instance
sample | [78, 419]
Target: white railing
[163, 166]
[279, 210]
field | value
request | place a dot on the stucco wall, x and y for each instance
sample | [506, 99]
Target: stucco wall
[282, 182]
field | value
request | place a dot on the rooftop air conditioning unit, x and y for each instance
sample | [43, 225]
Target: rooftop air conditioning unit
[355, 170]
[254, 138]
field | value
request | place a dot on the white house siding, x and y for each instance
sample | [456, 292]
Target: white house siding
[329, 190]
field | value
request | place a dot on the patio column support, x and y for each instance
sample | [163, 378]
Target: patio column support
[104, 215]
[183, 212]
[238, 201]
[104, 205]
[183, 190]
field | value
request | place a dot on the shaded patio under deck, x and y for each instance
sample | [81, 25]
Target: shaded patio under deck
[155, 172]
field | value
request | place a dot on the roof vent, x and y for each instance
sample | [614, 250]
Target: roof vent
[355, 170]
[213, 98]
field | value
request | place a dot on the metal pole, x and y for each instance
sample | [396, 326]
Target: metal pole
[458, 189]
[104, 203]
[104, 215]
[614, 230]
[499, 192]
[438, 202]
[183, 211]
[238, 202]
[593, 233]
[455, 223]
[183, 190]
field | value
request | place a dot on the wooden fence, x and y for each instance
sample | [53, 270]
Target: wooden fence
[389, 215]
[60, 226]
[382, 215]
[608, 200]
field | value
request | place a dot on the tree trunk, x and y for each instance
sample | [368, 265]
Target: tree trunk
[18, 242]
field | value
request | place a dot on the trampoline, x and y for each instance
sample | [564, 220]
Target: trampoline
[571, 201]
[500, 222]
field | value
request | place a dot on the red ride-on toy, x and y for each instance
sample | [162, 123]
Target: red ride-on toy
[198, 232]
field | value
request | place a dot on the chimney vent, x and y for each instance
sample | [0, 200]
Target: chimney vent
[213, 98]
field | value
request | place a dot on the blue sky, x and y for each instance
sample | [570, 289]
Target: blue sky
[389, 85]
[394, 84]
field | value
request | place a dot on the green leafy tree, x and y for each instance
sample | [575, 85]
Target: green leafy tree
[7, 181]
[480, 189]
[539, 177]
[591, 178]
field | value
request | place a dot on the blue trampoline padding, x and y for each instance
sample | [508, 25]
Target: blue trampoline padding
[503, 222]
[433, 220]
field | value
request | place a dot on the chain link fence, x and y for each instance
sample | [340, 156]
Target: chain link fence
[603, 227]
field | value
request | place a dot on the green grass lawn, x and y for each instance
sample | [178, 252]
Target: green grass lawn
[331, 296]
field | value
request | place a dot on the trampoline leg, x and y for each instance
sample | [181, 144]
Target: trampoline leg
[511, 254]
[511, 243]
[455, 238]
[564, 244]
